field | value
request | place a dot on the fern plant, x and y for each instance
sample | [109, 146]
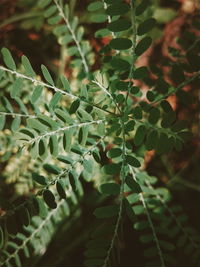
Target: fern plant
[54, 131]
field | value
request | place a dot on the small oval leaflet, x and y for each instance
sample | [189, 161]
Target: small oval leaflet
[117, 9]
[2, 121]
[51, 168]
[119, 25]
[39, 178]
[152, 139]
[106, 211]
[8, 59]
[47, 75]
[36, 94]
[27, 66]
[133, 184]
[146, 26]
[74, 106]
[114, 152]
[140, 135]
[143, 45]
[15, 124]
[141, 7]
[110, 189]
[120, 64]
[40, 206]
[132, 161]
[60, 189]
[121, 43]
[95, 6]
[49, 199]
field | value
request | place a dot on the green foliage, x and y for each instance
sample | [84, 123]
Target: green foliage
[63, 130]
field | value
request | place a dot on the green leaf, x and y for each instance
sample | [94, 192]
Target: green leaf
[84, 115]
[143, 45]
[46, 120]
[51, 168]
[34, 150]
[65, 159]
[130, 126]
[98, 18]
[129, 210]
[102, 33]
[37, 125]
[49, 199]
[154, 115]
[112, 168]
[166, 106]
[132, 161]
[67, 139]
[6, 104]
[36, 94]
[8, 59]
[54, 145]
[47, 75]
[150, 96]
[87, 165]
[140, 135]
[54, 20]
[146, 26]
[133, 184]
[106, 211]
[60, 189]
[119, 64]
[114, 152]
[44, 3]
[39, 178]
[16, 88]
[64, 116]
[119, 25]
[17, 260]
[74, 106]
[73, 179]
[140, 73]
[65, 83]
[137, 113]
[15, 124]
[117, 9]
[95, 6]
[110, 189]
[168, 119]
[39, 204]
[2, 121]
[27, 66]
[21, 105]
[121, 43]
[55, 99]
[83, 135]
[141, 7]
[152, 139]
[177, 74]
[50, 11]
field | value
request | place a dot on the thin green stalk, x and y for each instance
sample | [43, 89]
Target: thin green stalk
[134, 40]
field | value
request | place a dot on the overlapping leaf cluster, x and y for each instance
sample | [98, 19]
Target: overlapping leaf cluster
[64, 130]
